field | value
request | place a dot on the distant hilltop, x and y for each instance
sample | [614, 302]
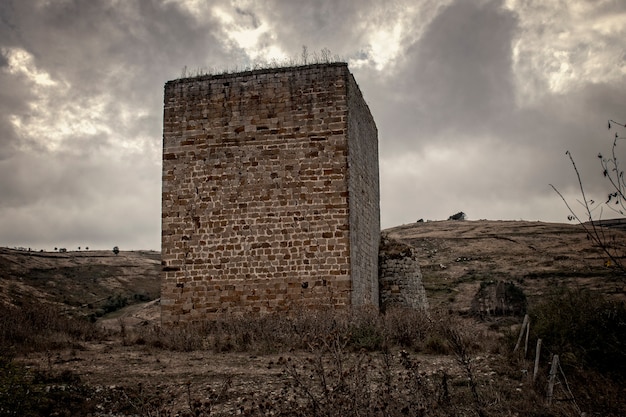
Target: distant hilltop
[612, 223]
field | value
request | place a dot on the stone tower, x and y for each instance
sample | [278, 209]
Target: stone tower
[270, 193]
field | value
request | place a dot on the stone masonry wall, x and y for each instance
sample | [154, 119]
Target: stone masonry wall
[364, 197]
[257, 197]
[400, 276]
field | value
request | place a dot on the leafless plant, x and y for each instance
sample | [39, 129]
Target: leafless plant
[324, 56]
[616, 202]
[460, 345]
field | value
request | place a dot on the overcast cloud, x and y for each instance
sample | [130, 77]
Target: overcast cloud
[476, 102]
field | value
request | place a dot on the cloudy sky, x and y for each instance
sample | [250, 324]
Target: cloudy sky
[476, 102]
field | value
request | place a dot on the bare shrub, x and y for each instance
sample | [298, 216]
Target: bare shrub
[182, 337]
[265, 334]
[407, 328]
[589, 213]
[28, 392]
[460, 343]
[333, 381]
[586, 329]
[42, 327]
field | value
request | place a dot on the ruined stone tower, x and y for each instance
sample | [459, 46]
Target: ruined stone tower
[270, 193]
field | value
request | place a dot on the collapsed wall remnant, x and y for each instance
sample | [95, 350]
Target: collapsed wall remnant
[499, 298]
[270, 193]
[400, 276]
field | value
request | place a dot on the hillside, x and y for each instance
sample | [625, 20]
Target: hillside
[83, 282]
[456, 256]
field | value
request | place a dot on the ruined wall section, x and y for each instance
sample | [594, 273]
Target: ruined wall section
[400, 276]
[255, 197]
[363, 196]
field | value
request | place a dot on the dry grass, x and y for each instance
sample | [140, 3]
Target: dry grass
[356, 363]
[42, 327]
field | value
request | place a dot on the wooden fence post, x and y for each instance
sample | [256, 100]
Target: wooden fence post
[526, 342]
[551, 378]
[537, 353]
[521, 332]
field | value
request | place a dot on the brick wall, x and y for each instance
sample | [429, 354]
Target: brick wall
[270, 193]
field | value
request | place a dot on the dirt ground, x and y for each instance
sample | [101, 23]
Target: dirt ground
[177, 376]
[181, 376]
[171, 379]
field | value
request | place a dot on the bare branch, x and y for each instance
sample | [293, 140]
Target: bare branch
[594, 230]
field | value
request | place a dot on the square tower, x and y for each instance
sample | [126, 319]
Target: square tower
[270, 193]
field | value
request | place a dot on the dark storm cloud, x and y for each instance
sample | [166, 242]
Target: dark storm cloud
[15, 95]
[247, 14]
[463, 64]
[458, 77]
[316, 21]
[455, 106]
[108, 64]
[342, 27]
[475, 102]
[52, 198]
[576, 122]
[7, 25]
[72, 175]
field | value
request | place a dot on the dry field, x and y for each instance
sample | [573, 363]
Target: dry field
[444, 362]
[457, 256]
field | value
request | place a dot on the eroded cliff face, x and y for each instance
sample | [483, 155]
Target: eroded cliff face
[399, 276]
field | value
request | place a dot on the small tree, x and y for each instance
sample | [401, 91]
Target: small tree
[615, 202]
[116, 250]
